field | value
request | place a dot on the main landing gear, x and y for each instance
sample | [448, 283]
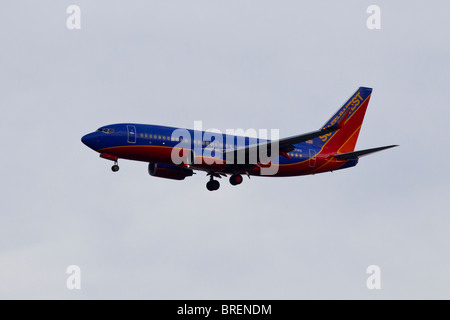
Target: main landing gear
[236, 179]
[212, 184]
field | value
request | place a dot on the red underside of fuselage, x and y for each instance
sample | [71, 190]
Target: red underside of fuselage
[162, 154]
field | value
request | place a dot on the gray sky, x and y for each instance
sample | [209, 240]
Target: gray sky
[231, 64]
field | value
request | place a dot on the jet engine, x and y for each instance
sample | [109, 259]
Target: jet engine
[168, 171]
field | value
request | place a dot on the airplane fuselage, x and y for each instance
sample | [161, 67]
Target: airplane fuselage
[154, 144]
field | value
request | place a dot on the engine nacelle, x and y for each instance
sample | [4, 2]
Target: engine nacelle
[169, 172]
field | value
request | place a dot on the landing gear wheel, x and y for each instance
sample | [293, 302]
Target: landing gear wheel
[212, 185]
[236, 179]
[115, 168]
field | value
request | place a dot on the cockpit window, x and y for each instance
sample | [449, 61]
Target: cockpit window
[105, 130]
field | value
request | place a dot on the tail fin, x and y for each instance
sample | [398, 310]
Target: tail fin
[349, 118]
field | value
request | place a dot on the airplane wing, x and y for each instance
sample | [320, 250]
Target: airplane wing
[285, 145]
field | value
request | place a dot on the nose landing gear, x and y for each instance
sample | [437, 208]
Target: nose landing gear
[115, 167]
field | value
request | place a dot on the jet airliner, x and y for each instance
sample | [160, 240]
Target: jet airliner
[330, 148]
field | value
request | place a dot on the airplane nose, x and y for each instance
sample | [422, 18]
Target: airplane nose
[89, 140]
[84, 139]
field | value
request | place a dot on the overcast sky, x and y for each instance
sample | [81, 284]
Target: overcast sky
[287, 65]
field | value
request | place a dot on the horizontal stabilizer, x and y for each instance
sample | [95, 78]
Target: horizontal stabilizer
[357, 154]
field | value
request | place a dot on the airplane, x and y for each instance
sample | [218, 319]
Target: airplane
[328, 149]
